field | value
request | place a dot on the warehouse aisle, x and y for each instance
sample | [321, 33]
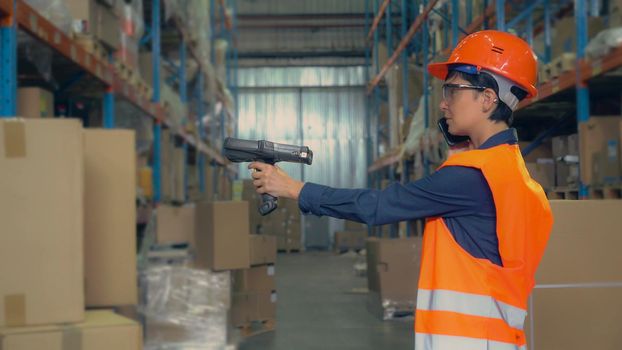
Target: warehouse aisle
[318, 309]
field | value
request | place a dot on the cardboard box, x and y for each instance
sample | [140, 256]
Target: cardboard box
[248, 307]
[584, 242]
[600, 137]
[262, 306]
[105, 26]
[275, 223]
[565, 145]
[102, 330]
[110, 218]
[349, 240]
[294, 230]
[582, 251]
[144, 180]
[544, 151]
[574, 319]
[355, 226]
[262, 249]
[42, 216]
[222, 235]
[293, 243]
[388, 261]
[543, 172]
[34, 102]
[254, 279]
[565, 31]
[566, 174]
[175, 225]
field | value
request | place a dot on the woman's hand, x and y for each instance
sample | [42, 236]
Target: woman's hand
[273, 180]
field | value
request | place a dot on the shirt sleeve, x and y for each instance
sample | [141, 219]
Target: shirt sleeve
[450, 192]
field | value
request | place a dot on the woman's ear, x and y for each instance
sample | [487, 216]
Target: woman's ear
[490, 100]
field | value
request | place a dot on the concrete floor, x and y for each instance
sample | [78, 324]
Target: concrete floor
[318, 309]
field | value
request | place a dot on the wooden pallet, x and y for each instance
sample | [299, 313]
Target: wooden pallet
[254, 328]
[606, 192]
[288, 251]
[563, 193]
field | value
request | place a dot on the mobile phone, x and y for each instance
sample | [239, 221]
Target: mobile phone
[451, 139]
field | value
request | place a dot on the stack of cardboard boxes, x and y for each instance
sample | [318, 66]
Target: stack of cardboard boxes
[566, 155]
[600, 151]
[68, 241]
[285, 223]
[576, 301]
[392, 275]
[352, 238]
[97, 20]
[254, 289]
[540, 164]
[217, 233]
[34, 102]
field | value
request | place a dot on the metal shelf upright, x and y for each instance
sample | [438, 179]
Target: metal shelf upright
[18, 15]
[508, 16]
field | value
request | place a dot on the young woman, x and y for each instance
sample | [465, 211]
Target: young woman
[488, 221]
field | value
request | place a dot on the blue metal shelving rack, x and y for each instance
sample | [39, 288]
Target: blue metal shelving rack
[17, 15]
[523, 19]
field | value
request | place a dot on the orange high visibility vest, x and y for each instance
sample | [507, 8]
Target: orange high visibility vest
[469, 303]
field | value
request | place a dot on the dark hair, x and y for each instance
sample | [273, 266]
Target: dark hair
[502, 112]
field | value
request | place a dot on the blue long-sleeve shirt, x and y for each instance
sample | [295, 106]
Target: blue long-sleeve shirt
[460, 195]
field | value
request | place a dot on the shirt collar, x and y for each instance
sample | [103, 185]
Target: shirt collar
[508, 136]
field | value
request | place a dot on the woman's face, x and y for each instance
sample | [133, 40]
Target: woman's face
[462, 107]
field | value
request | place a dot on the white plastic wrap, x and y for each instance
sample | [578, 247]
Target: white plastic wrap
[604, 42]
[413, 140]
[393, 309]
[39, 55]
[134, 22]
[54, 11]
[186, 308]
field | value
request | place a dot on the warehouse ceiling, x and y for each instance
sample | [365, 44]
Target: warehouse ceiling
[319, 32]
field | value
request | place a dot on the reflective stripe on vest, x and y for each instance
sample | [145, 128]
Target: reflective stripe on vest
[449, 342]
[470, 304]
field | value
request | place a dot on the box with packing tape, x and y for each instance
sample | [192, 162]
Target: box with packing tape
[222, 235]
[110, 218]
[254, 296]
[175, 224]
[576, 302]
[41, 211]
[350, 240]
[388, 261]
[262, 249]
[101, 330]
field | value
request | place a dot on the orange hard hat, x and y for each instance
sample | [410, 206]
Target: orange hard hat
[498, 52]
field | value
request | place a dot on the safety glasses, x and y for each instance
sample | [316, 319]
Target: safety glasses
[449, 90]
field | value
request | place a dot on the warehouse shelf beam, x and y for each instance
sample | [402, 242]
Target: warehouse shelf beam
[402, 45]
[379, 12]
